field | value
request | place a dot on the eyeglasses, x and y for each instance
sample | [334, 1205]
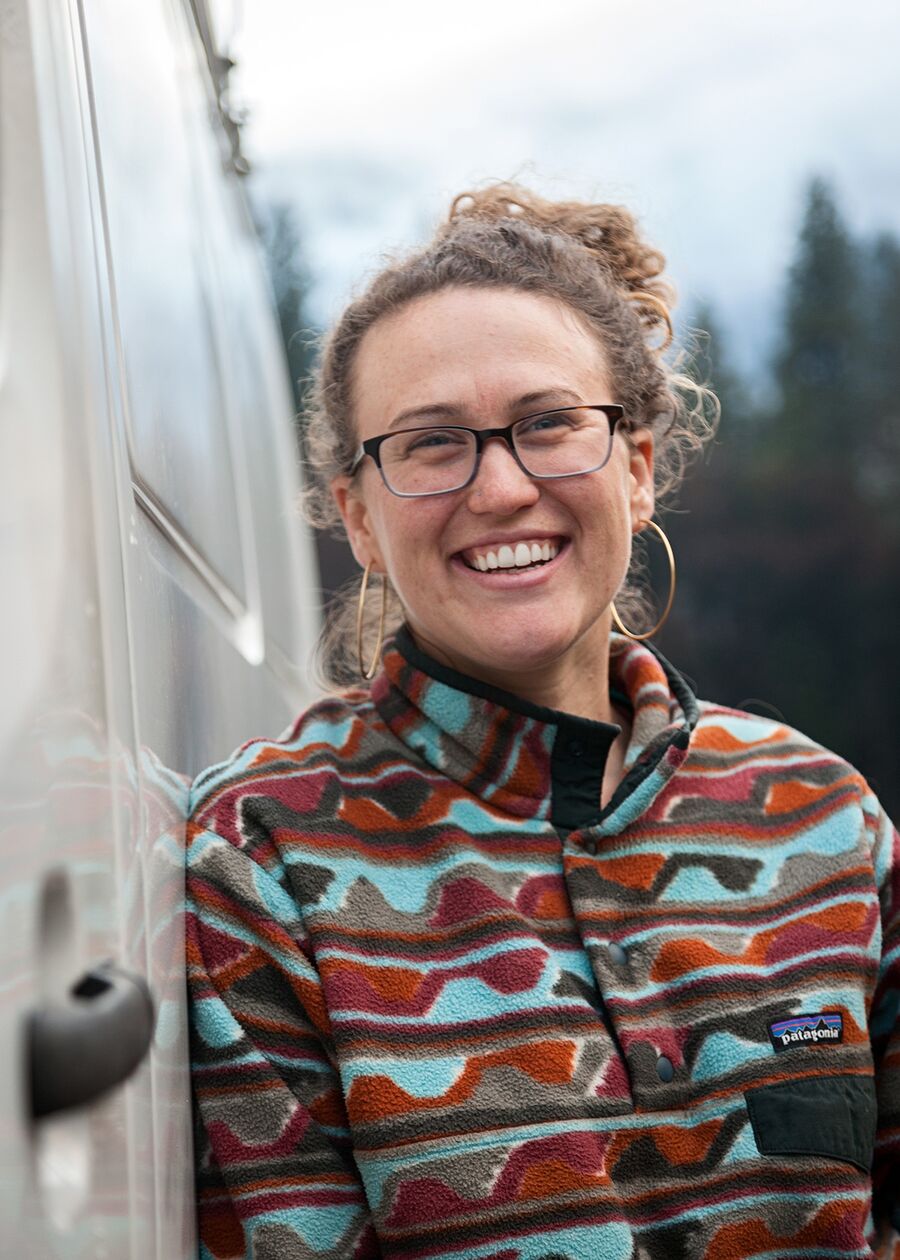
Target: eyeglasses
[565, 442]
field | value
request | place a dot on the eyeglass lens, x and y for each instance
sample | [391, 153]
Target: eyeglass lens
[555, 444]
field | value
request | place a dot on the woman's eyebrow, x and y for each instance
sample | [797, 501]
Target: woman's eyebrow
[453, 411]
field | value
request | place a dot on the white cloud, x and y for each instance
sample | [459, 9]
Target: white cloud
[705, 117]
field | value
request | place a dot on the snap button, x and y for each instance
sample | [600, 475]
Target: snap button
[664, 1069]
[617, 953]
[576, 748]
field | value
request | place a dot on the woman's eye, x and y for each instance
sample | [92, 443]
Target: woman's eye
[550, 422]
[434, 441]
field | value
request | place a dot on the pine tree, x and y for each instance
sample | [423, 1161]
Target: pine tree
[709, 364]
[817, 367]
[291, 283]
[877, 417]
[816, 528]
[710, 530]
[878, 405]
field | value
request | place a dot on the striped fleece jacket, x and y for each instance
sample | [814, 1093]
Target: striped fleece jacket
[445, 1004]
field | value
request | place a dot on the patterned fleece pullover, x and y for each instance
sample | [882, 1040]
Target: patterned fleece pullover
[445, 1003]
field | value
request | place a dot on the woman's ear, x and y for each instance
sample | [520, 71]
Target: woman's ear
[357, 523]
[640, 467]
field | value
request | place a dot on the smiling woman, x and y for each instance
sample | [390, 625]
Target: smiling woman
[522, 951]
[570, 291]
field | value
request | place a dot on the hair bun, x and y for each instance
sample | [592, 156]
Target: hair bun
[608, 232]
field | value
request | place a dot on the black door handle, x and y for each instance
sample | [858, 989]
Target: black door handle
[80, 1048]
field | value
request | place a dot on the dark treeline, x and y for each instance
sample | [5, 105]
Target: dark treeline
[291, 280]
[787, 531]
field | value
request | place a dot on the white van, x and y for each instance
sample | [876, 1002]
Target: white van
[159, 596]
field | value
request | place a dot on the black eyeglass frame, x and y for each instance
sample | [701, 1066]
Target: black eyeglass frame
[614, 412]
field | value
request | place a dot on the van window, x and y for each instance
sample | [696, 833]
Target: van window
[181, 446]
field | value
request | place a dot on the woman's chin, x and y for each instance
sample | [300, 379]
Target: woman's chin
[500, 658]
[536, 645]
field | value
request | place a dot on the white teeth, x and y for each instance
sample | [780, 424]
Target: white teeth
[515, 556]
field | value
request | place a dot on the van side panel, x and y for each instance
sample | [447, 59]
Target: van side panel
[161, 598]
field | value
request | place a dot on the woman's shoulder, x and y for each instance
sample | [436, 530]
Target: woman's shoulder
[726, 726]
[323, 735]
[782, 754]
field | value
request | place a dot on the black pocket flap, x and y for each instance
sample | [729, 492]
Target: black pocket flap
[833, 1116]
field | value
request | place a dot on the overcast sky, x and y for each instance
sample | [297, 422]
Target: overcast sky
[706, 118]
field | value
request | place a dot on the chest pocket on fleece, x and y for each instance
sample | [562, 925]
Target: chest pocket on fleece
[831, 1116]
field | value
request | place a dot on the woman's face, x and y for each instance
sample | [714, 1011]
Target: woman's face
[493, 356]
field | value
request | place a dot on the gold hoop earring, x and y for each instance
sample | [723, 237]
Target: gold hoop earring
[671, 558]
[360, 608]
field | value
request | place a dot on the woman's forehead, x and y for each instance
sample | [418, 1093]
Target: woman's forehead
[472, 347]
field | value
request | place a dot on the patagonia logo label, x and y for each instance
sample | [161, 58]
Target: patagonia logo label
[823, 1029]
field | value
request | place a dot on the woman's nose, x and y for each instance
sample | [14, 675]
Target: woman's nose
[500, 485]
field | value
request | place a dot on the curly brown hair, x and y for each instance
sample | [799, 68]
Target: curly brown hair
[590, 257]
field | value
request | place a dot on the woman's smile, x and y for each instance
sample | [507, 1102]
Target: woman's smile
[524, 563]
[513, 553]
